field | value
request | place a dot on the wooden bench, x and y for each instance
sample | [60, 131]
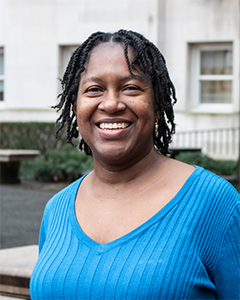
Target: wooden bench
[10, 161]
[16, 266]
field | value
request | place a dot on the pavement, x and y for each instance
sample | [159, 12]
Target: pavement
[21, 211]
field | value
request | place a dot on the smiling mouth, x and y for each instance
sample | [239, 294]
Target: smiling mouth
[113, 126]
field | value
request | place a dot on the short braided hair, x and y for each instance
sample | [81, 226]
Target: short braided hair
[151, 63]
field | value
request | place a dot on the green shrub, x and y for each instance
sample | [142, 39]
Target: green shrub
[31, 135]
[66, 164]
[58, 161]
[220, 167]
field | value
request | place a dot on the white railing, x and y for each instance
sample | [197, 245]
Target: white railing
[222, 143]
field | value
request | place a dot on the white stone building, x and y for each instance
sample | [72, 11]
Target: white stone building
[199, 39]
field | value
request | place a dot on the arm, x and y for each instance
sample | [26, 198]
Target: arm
[42, 236]
[227, 277]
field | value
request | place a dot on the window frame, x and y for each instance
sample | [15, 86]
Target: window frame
[64, 54]
[196, 78]
[2, 77]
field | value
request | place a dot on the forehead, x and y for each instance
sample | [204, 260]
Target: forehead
[108, 60]
[109, 52]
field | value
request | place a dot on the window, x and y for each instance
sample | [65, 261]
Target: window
[212, 75]
[215, 75]
[65, 53]
[1, 74]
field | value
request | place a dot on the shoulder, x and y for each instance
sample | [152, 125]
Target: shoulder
[61, 199]
[203, 184]
[58, 206]
[214, 196]
[214, 184]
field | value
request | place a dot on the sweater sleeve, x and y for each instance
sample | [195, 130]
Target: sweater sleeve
[42, 236]
[227, 278]
[44, 225]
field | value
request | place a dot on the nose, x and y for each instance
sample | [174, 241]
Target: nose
[111, 103]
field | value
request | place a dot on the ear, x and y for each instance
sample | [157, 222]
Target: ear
[74, 105]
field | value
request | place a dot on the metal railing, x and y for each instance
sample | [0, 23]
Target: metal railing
[221, 143]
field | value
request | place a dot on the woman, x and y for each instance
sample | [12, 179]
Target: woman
[140, 225]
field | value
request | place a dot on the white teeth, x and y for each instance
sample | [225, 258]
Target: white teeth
[113, 125]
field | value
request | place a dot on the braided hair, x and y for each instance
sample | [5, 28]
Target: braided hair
[151, 63]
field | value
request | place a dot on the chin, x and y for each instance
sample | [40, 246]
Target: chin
[112, 155]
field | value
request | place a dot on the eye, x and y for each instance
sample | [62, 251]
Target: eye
[93, 89]
[131, 88]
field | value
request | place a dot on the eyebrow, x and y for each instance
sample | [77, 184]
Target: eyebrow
[126, 78]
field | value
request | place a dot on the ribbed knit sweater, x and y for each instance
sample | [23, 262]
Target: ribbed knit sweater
[190, 249]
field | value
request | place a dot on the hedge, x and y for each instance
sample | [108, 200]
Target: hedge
[58, 161]
[66, 165]
[31, 135]
[219, 167]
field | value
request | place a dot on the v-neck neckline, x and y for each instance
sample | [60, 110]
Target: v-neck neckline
[90, 243]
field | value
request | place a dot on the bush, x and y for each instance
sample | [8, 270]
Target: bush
[223, 167]
[58, 161]
[65, 165]
[31, 135]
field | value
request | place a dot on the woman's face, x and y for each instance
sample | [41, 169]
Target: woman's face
[114, 109]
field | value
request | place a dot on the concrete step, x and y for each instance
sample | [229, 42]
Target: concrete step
[16, 266]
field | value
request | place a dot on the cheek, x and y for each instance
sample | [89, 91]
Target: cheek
[83, 109]
[146, 110]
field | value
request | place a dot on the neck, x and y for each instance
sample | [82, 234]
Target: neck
[125, 173]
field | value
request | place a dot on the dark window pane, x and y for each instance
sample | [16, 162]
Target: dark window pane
[1, 90]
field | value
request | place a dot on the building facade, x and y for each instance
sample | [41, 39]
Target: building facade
[199, 39]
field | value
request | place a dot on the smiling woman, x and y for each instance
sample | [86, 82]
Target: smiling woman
[140, 225]
[148, 63]
[108, 97]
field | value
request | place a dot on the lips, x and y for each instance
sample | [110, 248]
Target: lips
[113, 126]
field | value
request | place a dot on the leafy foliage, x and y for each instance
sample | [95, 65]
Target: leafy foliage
[30, 135]
[222, 167]
[66, 164]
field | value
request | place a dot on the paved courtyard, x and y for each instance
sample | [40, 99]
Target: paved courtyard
[21, 211]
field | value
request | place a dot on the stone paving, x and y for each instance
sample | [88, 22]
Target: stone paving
[21, 210]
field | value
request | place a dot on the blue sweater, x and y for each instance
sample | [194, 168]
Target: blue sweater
[190, 249]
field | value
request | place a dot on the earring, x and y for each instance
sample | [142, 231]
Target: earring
[156, 128]
[77, 128]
